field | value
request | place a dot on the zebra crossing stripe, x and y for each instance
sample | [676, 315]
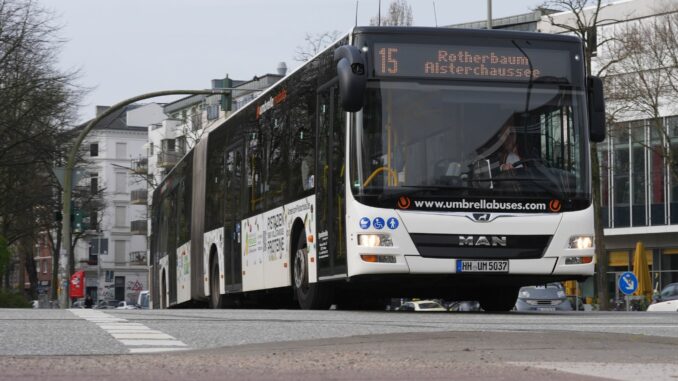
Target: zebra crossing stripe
[137, 337]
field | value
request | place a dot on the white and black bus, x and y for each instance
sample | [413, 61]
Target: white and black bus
[399, 162]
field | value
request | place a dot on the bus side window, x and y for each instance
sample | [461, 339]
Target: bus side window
[255, 162]
[276, 160]
[300, 151]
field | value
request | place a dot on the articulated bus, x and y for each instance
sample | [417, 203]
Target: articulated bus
[398, 162]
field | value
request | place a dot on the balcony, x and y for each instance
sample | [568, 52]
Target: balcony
[168, 159]
[139, 197]
[139, 227]
[137, 258]
[140, 166]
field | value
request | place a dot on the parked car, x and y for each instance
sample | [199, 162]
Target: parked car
[80, 303]
[670, 292]
[464, 306]
[126, 306]
[668, 306]
[107, 304]
[421, 305]
[549, 297]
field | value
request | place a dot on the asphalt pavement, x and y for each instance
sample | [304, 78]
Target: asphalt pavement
[341, 345]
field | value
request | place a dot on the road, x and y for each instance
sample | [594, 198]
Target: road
[289, 344]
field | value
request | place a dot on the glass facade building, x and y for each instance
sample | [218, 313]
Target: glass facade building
[639, 190]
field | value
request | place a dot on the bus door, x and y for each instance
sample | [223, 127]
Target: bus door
[232, 216]
[330, 200]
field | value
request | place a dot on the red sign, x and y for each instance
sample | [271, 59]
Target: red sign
[77, 285]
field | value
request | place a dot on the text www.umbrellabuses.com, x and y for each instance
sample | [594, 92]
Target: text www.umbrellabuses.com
[480, 205]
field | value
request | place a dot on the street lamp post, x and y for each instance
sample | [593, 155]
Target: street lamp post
[70, 163]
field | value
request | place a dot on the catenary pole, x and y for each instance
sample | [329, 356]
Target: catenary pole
[70, 163]
[489, 14]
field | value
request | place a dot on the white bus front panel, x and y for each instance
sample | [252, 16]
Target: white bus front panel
[399, 224]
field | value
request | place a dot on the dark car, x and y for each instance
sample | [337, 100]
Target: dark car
[550, 297]
[670, 292]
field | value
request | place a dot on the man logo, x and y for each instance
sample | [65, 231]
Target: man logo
[481, 217]
[470, 240]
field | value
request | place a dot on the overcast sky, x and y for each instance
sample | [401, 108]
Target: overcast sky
[127, 47]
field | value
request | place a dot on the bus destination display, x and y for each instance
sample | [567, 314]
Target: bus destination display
[469, 62]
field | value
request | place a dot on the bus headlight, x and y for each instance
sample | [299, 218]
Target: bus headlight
[581, 242]
[374, 240]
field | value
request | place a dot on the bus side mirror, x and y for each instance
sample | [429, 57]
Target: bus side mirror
[352, 77]
[596, 110]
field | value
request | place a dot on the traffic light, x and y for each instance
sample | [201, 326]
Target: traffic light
[77, 221]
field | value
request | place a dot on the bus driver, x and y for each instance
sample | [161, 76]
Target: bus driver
[510, 157]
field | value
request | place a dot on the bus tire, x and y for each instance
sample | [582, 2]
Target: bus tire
[216, 299]
[500, 301]
[310, 296]
[163, 300]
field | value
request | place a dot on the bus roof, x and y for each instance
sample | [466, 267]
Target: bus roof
[478, 33]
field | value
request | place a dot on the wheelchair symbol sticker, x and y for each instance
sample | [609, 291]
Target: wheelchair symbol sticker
[378, 223]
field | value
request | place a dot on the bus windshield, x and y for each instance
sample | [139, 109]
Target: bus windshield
[451, 139]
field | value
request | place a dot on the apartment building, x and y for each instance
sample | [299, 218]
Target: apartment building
[112, 251]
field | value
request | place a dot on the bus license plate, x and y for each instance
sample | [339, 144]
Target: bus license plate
[496, 266]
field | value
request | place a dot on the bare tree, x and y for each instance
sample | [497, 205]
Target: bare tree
[643, 82]
[399, 14]
[37, 101]
[583, 21]
[314, 44]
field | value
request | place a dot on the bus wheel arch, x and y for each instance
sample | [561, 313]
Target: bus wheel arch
[215, 299]
[298, 229]
[163, 289]
[309, 296]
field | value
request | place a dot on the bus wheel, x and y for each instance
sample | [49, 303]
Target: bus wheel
[216, 300]
[500, 301]
[163, 303]
[310, 296]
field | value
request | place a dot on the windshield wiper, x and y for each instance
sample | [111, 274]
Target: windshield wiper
[435, 187]
[538, 181]
[417, 189]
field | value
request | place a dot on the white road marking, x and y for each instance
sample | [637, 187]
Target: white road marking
[167, 343]
[132, 334]
[140, 335]
[614, 371]
[154, 350]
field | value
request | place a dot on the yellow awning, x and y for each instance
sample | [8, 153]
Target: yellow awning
[618, 258]
[621, 257]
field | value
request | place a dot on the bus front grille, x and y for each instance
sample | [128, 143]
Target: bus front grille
[470, 246]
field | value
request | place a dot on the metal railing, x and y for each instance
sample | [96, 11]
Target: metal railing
[140, 165]
[139, 197]
[168, 159]
[137, 258]
[139, 227]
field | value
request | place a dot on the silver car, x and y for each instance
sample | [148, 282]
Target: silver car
[549, 297]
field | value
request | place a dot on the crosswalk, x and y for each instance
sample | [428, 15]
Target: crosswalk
[135, 336]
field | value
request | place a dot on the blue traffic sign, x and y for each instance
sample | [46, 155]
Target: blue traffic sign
[628, 283]
[364, 223]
